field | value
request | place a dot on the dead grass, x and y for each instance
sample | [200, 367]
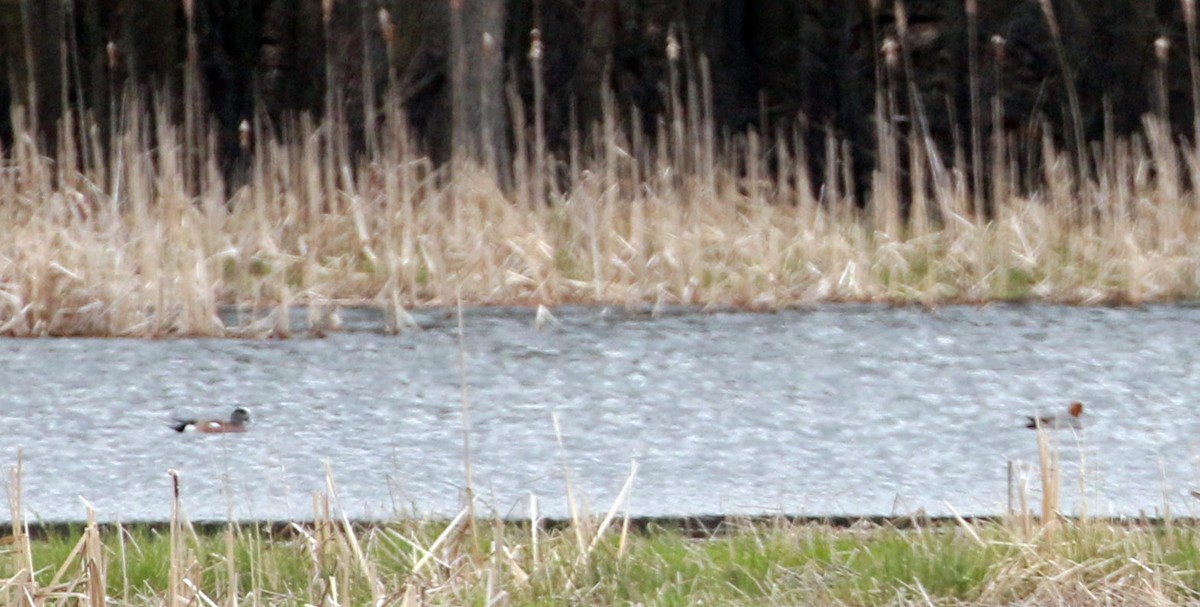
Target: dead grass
[141, 235]
[125, 248]
[597, 560]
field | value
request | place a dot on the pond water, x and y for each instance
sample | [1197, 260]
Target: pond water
[834, 410]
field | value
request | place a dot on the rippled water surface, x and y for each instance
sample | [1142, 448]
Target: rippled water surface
[837, 410]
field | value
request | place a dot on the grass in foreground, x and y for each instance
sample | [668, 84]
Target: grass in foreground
[427, 563]
[600, 561]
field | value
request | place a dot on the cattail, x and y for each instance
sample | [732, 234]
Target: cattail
[1189, 16]
[326, 11]
[244, 134]
[972, 7]
[189, 9]
[387, 27]
[672, 48]
[1162, 48]
[1162, 52]
[901, 19]
[1051, 20]
[891, 52]
[998, 44]
[535, 45]
[111, 49]
[488, 42]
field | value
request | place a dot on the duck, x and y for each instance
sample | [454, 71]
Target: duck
[1059, 421]
[236, 423]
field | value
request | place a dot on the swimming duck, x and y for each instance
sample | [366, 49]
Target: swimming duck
[235, 423]
[1059, 421]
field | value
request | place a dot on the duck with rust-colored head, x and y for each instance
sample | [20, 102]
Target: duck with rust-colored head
[236, 423]
[1069, 419]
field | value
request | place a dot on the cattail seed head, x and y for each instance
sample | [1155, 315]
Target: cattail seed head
[189, 9]
[535, 45]
[972, 8]
[111, 49]
[901, 19]
[387, 27]
[998, 44]
[326, 11]
[891, 52]
[1189, 12]
[1162, 48]
[244, 134]
[672, 48]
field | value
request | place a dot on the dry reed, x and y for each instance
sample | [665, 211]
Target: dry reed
[145, 237]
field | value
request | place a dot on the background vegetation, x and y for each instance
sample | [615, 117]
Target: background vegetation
[625, 153]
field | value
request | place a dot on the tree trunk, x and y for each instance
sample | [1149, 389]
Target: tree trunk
[477, 80]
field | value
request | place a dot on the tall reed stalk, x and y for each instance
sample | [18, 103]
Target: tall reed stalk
[1051, 478]
[972, 10]
[1189, 19]
[148, 239]
[21, 589]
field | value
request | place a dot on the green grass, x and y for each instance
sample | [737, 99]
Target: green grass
[761, 563]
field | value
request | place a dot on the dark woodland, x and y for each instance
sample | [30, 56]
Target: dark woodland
[776, 66]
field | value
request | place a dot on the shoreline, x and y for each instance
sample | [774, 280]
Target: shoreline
[695, 526]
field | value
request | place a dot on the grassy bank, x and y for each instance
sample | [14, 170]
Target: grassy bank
[605, 559]
[428, 563]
